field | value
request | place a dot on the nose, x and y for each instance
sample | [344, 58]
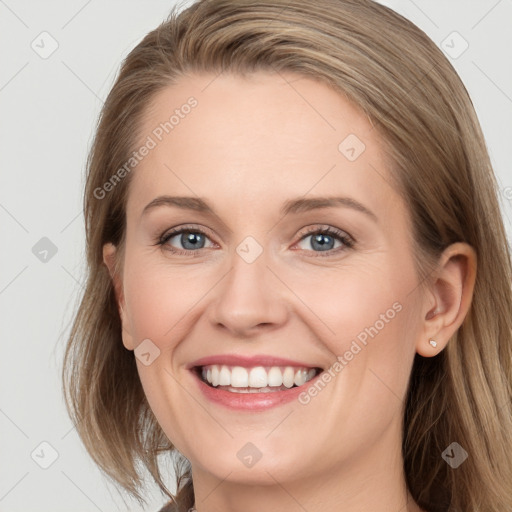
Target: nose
[249, 298]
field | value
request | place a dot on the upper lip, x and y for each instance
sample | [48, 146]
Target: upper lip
[249, 361]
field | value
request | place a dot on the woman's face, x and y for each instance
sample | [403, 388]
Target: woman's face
[258, 157]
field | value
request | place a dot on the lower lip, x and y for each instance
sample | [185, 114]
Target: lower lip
[251, 401]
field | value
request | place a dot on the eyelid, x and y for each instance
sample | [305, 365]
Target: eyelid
[170, 233]
[326, 228]
[345, 238]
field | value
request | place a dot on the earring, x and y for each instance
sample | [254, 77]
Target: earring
[433, 343]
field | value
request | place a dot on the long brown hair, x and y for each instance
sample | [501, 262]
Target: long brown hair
[397, 77]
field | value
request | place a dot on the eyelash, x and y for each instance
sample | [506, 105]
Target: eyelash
[347, 241]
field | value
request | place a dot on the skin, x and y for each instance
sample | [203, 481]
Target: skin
[251, 144]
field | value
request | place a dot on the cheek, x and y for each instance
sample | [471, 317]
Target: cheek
[159, 296]
[348, 299]
[344, 302]
[367, 315]
[152, 305]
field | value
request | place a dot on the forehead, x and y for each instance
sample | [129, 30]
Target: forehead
[264, 135]
[254, 104]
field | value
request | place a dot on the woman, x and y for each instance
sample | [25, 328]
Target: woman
[290, 216]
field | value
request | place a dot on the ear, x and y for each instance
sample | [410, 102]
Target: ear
[110, 259]
[449, 298]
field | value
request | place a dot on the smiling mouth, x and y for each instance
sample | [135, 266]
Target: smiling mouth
[257, 379]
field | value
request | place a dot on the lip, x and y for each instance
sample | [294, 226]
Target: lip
[249, 361]
[248, 401]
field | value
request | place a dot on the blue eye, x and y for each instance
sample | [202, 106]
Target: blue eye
[324, 239]
[193, 239]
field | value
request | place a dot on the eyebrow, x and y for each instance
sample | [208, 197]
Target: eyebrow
[298, 205]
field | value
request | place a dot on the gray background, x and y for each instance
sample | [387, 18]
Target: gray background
[49, 107]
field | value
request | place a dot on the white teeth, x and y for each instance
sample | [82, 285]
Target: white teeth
[288, 377]
[275, 377]
[258, 377]
[224, 377]
[239, 377]
[215, 375]
[300, 377]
